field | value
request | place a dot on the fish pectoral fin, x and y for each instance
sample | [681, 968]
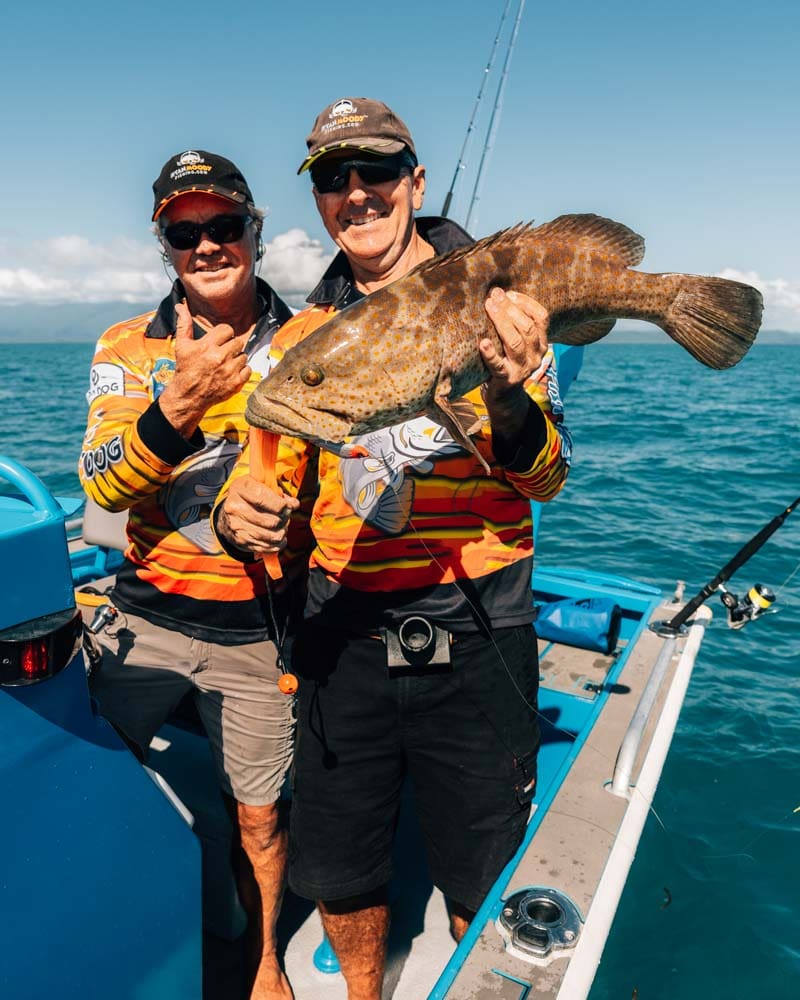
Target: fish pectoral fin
[464, 412]
[455, 417]
[584, 333]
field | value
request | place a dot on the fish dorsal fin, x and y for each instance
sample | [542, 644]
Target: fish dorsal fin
[506, 237]
[588, 230]
[595, 231]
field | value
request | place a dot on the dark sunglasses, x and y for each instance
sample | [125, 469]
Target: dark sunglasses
[220, 229]
[332, 176]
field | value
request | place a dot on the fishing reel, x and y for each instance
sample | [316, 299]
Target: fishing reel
[756, 602]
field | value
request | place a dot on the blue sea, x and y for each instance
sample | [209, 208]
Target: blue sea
[675, 468]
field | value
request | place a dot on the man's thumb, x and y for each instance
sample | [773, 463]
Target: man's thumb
[184, 328]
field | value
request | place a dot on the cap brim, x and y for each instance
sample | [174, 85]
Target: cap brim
[235, 196]
[380, 147]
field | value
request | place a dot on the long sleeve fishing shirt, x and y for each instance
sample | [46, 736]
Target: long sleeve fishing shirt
[422, 530]
[175, 573]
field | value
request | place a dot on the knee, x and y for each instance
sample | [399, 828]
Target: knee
[354, 904]
[260, 827]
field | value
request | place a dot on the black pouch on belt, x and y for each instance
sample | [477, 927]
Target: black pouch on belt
[417, 646]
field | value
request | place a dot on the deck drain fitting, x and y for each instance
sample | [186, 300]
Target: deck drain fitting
[538, 924]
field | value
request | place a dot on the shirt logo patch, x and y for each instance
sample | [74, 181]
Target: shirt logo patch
[163, 370]
[96, 462]
[105, 380]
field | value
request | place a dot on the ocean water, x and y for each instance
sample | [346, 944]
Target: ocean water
[675, 468]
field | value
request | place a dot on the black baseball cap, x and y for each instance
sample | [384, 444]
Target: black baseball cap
[198, 170]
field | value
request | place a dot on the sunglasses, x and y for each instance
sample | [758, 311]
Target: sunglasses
[334, 175]
[220, 229]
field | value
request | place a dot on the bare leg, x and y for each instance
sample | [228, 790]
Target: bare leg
[460, 919]
[357, 929]
[260, 868]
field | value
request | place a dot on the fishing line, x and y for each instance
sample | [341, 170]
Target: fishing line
[741, 853]
[786, 581]
[280, 637]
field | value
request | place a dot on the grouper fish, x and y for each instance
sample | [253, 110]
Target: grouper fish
[412, 347]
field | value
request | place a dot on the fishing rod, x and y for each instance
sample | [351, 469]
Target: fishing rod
[461, 165]
[494, 121]
[740, 611]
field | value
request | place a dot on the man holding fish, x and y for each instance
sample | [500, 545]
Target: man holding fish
[416, 656]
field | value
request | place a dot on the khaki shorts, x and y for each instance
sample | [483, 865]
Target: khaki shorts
[146, 670]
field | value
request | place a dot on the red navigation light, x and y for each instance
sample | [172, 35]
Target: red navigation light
[36, 650]
[33, 659]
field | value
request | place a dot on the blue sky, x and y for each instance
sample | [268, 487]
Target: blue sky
[680, 120]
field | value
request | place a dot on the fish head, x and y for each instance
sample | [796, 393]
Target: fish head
[369, 366]
[318, 390]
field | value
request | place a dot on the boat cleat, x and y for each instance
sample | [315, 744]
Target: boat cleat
[539, 924]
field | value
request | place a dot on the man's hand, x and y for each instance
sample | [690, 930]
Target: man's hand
[254, 517]
[521, 324]
[207, 371]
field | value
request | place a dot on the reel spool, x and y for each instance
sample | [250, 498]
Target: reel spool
[756, 602]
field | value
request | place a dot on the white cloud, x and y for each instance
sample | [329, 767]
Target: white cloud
[293, 264]
[781, 298]
[71, 268]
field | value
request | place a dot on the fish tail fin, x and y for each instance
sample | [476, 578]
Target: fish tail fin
[714, 319]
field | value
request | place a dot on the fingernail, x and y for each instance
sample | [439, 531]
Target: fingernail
[497, 294]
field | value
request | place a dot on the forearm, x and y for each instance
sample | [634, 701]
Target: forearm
[181, 409]
[519, 428]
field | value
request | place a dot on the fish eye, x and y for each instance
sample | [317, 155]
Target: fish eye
[312, 375]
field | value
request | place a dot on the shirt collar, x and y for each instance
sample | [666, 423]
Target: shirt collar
[273, 312]
[337, 287]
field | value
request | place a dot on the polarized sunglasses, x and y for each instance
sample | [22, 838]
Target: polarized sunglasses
[334, 175]
[220, 229]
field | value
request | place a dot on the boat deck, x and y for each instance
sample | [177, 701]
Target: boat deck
[569, 852]
[586, 701]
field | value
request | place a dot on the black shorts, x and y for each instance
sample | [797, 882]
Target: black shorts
[466, 738]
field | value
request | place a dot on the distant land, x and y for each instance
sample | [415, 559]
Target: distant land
[86, 321]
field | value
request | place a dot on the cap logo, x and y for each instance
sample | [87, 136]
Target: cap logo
[190, 164]
[344, 107]
[188, 158]
[342, 116]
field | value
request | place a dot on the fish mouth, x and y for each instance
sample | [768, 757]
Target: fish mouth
[280, 418]
[283, 418]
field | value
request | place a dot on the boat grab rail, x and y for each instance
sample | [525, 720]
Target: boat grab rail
[629, 748]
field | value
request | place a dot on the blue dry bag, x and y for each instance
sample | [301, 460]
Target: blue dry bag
[589, 623]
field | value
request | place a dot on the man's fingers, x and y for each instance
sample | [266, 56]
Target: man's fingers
[492, 358]
[260, 498]
[521, 322]
[239, 343]
[535, 310]
[255, 517]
